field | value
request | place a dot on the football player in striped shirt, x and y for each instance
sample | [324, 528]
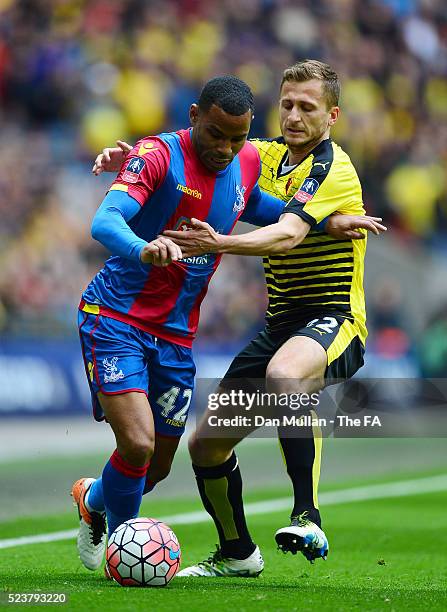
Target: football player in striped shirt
[315, 324]
[138, 317]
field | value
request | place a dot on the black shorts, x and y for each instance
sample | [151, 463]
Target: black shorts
[336, 334]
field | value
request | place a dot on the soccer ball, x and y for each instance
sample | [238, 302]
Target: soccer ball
[143, 552]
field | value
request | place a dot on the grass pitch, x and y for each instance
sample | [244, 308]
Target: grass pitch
[386, 554]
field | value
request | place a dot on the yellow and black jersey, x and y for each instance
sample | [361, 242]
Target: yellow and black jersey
[321, 275]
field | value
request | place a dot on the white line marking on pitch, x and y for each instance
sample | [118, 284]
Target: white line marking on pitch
[401, 488]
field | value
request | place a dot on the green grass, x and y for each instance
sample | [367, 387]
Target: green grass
[385, 555]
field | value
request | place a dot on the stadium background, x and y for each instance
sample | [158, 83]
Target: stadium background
[75, 75]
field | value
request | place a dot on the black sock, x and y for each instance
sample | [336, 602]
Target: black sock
[302, 457]
[220, 488]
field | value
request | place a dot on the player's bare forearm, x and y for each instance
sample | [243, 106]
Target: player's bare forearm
[277, 238]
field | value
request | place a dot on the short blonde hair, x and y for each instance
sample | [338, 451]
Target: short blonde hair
[313, 69]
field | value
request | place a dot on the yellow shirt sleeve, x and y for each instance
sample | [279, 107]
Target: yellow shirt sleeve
[320, 195]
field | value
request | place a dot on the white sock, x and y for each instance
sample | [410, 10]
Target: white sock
[87, 505]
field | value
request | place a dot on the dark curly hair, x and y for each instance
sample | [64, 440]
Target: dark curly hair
[228, 93]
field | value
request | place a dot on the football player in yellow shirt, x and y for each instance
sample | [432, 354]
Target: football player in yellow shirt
[315, 329]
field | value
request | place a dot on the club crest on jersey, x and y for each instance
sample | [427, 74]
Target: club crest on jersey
[111, 373]
[240, 199]
[134, 169]
[307, 190]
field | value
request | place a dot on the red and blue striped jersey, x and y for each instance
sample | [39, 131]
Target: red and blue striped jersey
[164, 174]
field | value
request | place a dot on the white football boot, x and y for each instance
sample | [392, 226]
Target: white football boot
[218, 566]
[305, 536]
[92, 527]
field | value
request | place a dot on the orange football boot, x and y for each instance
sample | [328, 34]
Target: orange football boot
[91, 539]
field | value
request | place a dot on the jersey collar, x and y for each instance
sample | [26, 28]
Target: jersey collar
[320, 146]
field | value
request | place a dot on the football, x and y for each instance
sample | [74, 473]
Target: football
[143, 552]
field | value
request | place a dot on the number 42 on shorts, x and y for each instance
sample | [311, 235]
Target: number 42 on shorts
[168, 401]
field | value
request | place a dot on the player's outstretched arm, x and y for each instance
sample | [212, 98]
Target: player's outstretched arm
[111, 158]
[264, 209]
[276, 238]
[346, 227]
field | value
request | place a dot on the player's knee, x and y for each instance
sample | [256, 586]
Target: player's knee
[277, 374]
[138, 448]
[196, 448]
[200, 450]
[282, 378]
[205, 451]
[275, 371]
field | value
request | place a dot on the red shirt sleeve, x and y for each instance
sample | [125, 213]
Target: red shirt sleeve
[144, 169]
[250, 166]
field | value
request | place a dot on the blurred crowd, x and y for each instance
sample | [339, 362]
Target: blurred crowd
[77, 74]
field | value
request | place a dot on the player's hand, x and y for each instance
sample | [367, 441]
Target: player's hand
[198, 240]
[111, 159]
[160, 252]
[346, 227]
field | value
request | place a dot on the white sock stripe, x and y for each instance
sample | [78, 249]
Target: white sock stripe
[87, 505]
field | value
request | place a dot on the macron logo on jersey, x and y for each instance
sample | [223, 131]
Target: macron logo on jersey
[307, 190]
[191, 192]
[133, 169]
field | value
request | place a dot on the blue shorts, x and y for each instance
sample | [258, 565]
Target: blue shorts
[120, 358]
